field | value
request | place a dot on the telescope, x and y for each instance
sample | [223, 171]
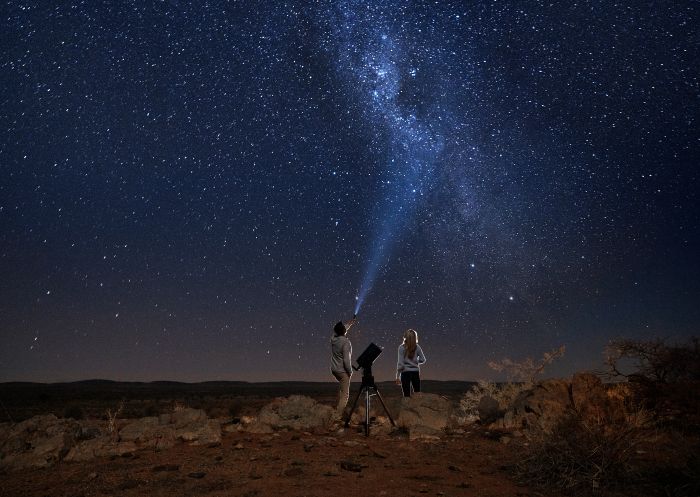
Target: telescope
[369, 388]
[367, 358]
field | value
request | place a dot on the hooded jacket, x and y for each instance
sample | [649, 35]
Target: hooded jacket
[341, 351]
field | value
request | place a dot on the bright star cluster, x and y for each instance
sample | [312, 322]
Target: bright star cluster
[200, 191]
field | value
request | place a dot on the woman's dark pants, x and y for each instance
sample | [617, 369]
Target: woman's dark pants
[409, 378]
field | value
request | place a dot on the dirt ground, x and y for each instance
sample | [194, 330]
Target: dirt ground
[291, 464]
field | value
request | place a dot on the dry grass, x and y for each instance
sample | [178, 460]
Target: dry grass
[586, 456]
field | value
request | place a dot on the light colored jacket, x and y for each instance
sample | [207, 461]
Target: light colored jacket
[405, 363]
[341, 351]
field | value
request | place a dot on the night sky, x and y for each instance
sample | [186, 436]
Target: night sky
[200, 191]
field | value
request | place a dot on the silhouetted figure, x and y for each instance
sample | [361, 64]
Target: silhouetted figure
[410, 358]
[341, 362]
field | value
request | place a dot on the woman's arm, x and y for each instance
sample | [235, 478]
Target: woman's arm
[421, 355]
[399, 363]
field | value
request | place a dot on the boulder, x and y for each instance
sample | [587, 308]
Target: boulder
[188, 416]
[296, 412]
[424, 414]
[38, 442]
[540, 406]
[99, 447]
[139, 429]
[200, 432]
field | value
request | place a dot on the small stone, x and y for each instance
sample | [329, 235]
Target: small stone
[197, 475]
[464, 485]
[127, 484]
[238, 446]
[351, 466]
[165, 467]
[452, 467]
[219, 458]
[330, 473]
[308, 447]
[92, 476]
[295, 471]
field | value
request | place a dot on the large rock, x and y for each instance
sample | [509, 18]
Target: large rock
[200, 432]
[41, 441]
[296, 412]
[139, 429]
[99, 447]
[38, 442]
[149, 432]
[541, 406]
[186, 417]
[488, 409]
[424, 415]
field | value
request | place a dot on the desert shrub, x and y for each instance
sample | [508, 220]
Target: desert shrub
[521, 376]
[112, 416]
[660, 376]
[654, 360]
[74, 412]
[145, 411]
[503, 393]
[235, 408]
[584, 455]
[527, 370]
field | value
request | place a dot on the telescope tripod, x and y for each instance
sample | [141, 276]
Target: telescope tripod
[369, 388]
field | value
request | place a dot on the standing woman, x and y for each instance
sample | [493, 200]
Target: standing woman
[411, 356]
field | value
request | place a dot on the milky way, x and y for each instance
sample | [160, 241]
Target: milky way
[198, 192]
[377, 66]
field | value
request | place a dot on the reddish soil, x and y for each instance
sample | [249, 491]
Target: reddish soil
[291, 464]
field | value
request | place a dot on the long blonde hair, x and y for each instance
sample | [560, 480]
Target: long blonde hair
[410, 341]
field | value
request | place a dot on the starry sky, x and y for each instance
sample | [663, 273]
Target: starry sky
[199, 191]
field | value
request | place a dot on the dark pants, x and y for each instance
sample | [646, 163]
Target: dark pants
[409, 378]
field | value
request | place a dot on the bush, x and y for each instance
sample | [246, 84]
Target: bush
[74, 412]
[503, 393]
[584, 455]
[521, 376]
[661, 377]
[235, 408]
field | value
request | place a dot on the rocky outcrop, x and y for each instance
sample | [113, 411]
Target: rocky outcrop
[43, 440]
[37, 442]
[488, 409]
[103, 446]
[545, 403]
[424, 415]
[296, 412]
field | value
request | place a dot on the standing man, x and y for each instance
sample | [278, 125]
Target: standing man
[341, 362]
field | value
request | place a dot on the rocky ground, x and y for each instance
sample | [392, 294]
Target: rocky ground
[292, 447]
[290, 463]
[565, 434]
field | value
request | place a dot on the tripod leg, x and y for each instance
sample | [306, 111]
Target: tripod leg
[384, 406]
[367, 407]
[354, 405]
